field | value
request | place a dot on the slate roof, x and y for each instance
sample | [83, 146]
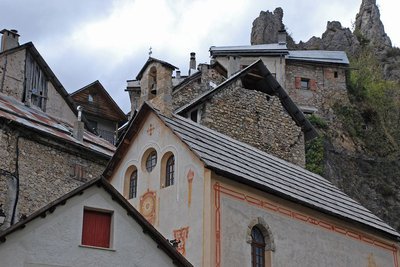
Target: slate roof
[249, 50]
[39, 121]
[248, 165]
[162, 242]
[265, 83]
[319, 56]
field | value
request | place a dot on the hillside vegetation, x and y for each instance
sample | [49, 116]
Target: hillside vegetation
[360, 151]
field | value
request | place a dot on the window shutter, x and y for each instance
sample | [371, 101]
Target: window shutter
[96, 229]
[313, 85]
[297, 82]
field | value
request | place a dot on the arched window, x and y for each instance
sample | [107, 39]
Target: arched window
[152, 82]
[133, 185]
[257, 248]
[151, 161]
[169, 171]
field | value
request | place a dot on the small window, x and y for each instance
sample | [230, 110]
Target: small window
[305, 84]
[335, 74]
[133, 185]
[90, 98]
[257, 248]
[96, 229]
[169, 171]
[193, 115]
[151, 161]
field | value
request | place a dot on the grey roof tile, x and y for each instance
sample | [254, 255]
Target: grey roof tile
[227, 155]
[321, 56]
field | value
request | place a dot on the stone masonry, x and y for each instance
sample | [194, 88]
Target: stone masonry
[256, 119]
[329, 86]
[187, 92]
[44, 169]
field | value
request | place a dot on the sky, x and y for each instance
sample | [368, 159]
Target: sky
[109, 40]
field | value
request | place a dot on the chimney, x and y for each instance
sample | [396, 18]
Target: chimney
[178, 74]
[282, 37]
[192, 63]
[78, 125]
[9, 39]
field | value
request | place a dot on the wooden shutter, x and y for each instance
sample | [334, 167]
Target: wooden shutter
[297, 82]
[96, 228]
[313, 85]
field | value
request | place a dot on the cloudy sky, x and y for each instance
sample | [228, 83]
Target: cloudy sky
[109, 40]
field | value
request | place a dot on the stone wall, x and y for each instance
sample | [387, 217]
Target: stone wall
[329, 86]
[12, 74]
[46, 171]
[256, 119]
[184, 94]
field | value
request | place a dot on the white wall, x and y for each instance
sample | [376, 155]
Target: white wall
[55, 240]
[172, 207]
[300, 241]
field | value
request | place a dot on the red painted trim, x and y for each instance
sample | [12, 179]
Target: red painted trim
[218, 189]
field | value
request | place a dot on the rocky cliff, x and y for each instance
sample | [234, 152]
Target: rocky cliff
[361, 145]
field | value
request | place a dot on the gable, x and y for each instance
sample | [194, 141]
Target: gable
[30, 80]
[97, 102]
[151, 133]
[55, 233]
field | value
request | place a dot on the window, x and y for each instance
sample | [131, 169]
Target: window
[193, 115]
[151, 161]
[96, 229]
[257, 248]
[152, 82]
[133, 185]
[90, 98]
[35, 84]
[335, 74]
[169, 171]
[305, 83]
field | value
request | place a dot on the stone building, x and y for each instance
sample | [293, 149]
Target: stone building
[230, 204]
[245, 106]
[102, 113]
[314, 79]
[45, 151]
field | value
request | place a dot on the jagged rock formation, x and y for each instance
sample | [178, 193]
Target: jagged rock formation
[370, 27]
[266, 26]
[334, 38]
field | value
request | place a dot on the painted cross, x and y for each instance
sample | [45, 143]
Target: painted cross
[150, 129]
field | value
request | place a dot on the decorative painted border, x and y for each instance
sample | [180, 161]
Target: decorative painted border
[218, 189]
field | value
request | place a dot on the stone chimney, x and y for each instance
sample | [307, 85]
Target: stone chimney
[282, 37]
[9, 39]
[78, 126]
[178, 74]
[192, 63]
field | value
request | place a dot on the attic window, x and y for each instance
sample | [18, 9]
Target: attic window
[35, 84]
[194, 115]
[90, 98]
